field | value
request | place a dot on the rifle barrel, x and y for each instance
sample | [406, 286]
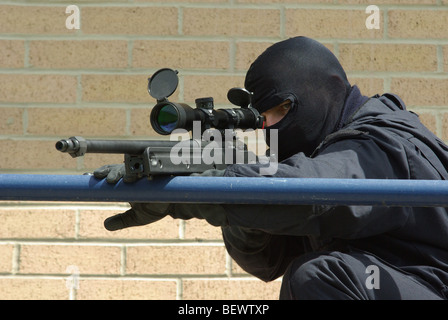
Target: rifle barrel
[78, 146]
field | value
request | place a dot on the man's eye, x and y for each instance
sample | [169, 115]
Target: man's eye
[286, 107]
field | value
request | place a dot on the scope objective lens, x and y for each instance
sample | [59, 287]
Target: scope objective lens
[167, 118]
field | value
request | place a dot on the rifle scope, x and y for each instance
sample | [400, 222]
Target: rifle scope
[167, 116]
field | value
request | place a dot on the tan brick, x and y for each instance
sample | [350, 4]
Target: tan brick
[370, 86]
[327, 23]
[91, 225]
[184, 259]
[12, 53]
[56, 259]
[126, 289]
[181, 54]
[429, 120]
[33, 20]
[199, 229]
[37, 223]
[445, 126]
[237, 270]
[418, 24]
[32, 155]
[247, 52]
[11, 120]
[37, 88]
[6, 256]
[231, 22]
[70, 122]
[158, 21]
[210, 86]
[421, 92]
[93, 161]
[141, 125]
[74, 54]
[115, 88]
[388, 57]
[33, 289]
[230, 289]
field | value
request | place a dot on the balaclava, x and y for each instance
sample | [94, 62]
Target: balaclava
[308, 74]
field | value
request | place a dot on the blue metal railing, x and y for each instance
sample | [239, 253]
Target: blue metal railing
[187, 189]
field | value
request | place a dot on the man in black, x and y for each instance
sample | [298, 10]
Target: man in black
[328, 129]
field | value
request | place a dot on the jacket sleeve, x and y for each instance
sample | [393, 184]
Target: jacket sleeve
[289, 225]
[261, 254]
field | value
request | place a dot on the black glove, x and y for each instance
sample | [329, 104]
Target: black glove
[140, 214]
[146, 213]
[113, 173]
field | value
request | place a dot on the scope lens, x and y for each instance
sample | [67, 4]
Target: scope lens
[167, 118]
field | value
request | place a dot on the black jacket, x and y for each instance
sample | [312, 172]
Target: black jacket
[381, 140]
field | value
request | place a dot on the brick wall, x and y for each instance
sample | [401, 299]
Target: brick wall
[57, 82]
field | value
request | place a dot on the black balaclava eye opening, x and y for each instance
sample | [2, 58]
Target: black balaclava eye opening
[305, 72]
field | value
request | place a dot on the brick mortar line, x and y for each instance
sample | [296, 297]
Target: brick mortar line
[179, 289]
[26, 56]
[282, 30]
[399, 74]
[190, 72]
[123, 37]
[232, 55]
[15, 267]
[439, 123]
[440, 59]
[148, 277]
[218, 38]
[133, 277]
[62, 205]
[115, 242]
[442, 75]
[117, 72]
[80, 106]
[226, 5]
[435, 109]
[387, 84]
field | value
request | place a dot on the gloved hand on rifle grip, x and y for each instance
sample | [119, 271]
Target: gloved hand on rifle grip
[113, 173]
